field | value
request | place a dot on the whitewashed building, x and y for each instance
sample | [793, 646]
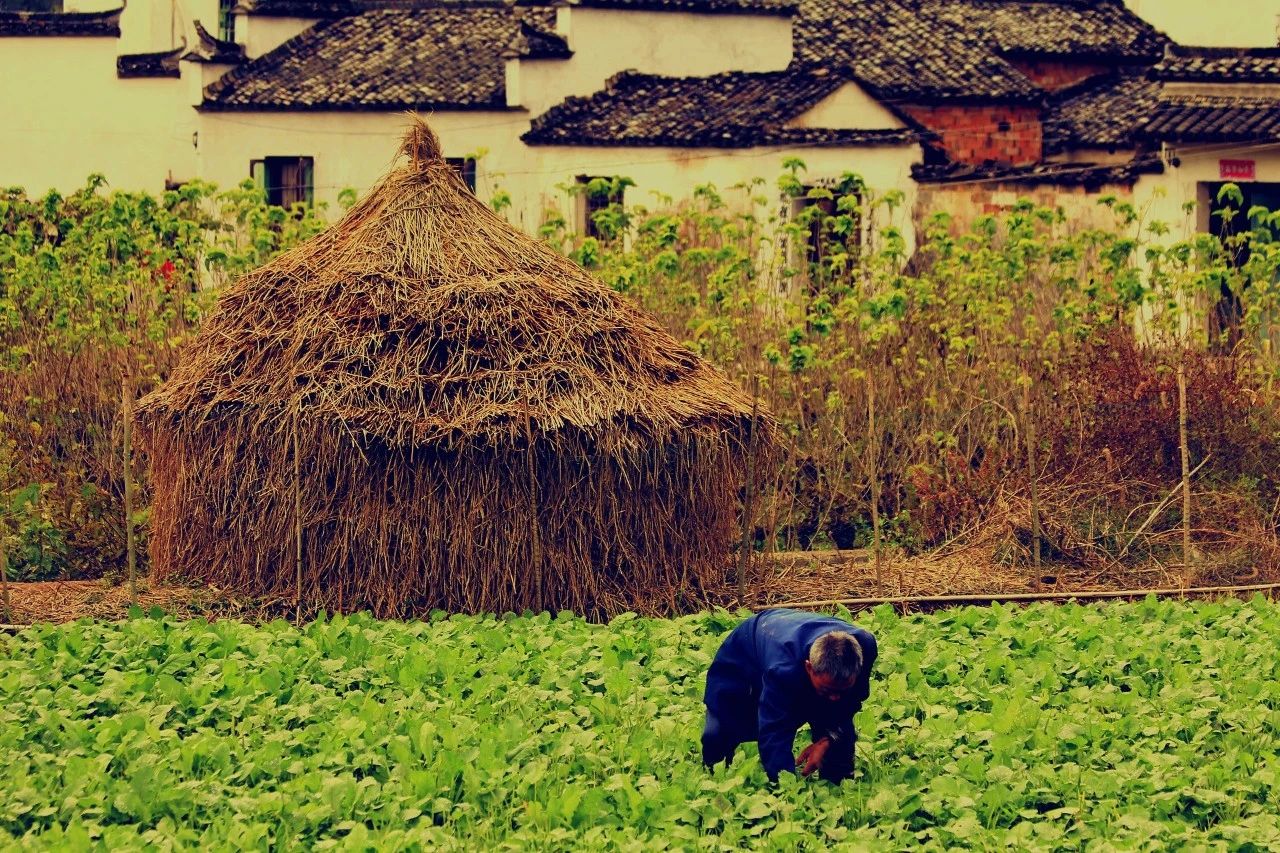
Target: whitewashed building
[962, 104]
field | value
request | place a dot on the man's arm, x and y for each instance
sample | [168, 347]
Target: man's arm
[777, 726]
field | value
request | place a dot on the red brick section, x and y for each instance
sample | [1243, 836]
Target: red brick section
[972, 134]
[1053, 75]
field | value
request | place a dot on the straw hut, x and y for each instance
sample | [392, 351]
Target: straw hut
[424, 408]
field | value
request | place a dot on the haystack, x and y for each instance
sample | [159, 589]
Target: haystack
[434, 410]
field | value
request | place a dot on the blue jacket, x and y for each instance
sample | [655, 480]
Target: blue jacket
[759, 672]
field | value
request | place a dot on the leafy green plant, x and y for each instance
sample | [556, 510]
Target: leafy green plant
[1151, 725]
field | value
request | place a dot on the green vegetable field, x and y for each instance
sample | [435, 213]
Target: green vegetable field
[1132, 726]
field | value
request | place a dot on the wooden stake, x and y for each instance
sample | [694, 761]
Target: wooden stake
[1029, 429]
[4, 569]
[874, 454]
[297, 514]
[748, 498]
[1186, 467]
[535, 533]
[131, 546]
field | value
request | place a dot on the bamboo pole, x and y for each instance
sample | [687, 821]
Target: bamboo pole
[1029, 430]
[1186, 467]
[131, 545]
[874, 454]
[297, 515]
[995, 597]
[748, 498]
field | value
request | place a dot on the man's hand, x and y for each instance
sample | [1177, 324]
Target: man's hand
[810, 758]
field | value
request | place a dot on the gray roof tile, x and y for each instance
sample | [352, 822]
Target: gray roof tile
[732, 110]
[445, 57]
[39, 24]
[1219, 65]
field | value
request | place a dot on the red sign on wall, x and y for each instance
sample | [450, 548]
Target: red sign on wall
[1236, 170]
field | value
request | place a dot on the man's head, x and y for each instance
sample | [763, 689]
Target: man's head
[835, 661]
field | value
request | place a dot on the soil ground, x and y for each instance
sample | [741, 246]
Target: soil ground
[778, 579]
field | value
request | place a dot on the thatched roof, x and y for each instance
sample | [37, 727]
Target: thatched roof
[423, 319]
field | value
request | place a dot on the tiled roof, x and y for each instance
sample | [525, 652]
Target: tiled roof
[1055, 28]
[160, 64]
[1219, 65]
[732, 110]
[32, 24]
[901, 53]
[1214, 119]
[448, 57]
[1059, 174]
[750, 7]
[533, 42]
[319, 9]
[214, 50]
[1102, 113]
[1128, 108]
[324, 9]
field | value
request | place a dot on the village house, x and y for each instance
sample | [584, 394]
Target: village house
[964, 105]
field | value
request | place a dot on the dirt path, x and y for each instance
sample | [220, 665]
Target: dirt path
[781, 578]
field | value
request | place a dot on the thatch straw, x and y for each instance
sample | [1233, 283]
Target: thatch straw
[421, 345]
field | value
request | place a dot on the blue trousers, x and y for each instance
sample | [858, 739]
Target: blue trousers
[723, 733]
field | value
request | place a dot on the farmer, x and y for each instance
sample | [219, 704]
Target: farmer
[779, 670]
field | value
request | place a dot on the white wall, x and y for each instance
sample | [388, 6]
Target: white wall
[675, 172]
[677, 44]
[148, 26]
[1162, 196]
[350, 149]
[1237, 23]
[68, 115]
[261, 34]
[848, 108]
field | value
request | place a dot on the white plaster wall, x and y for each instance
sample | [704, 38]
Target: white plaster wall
[675, 172]
[606, 41]
[1162, 196]
[261, 34]
[147, 26]
[848, 108]
[353, 149]
[68, 115]
[90, 5]
[1238, 23]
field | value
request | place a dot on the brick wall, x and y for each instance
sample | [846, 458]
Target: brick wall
[966, 202]
[976, 134]
[1053, 75]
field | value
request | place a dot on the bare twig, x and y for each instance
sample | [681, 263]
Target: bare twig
[131, 547]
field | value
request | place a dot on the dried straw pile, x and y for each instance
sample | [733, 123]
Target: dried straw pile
[476, 424]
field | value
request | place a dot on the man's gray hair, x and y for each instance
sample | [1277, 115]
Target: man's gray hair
[837, 654]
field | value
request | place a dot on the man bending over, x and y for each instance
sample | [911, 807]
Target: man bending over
[779, 670]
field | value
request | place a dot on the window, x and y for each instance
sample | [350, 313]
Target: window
[1229, 217]
[466, 169]
[596, 195]
[830, 216]
[287, 180]
[226, 20]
